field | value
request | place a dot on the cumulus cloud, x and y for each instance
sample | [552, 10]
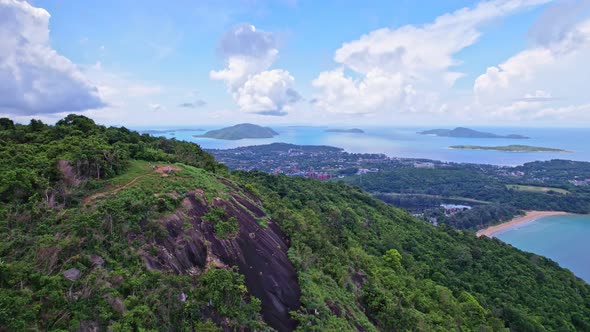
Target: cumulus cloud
[555, 72]
[407, 68]
[34, 78]
[249, 53]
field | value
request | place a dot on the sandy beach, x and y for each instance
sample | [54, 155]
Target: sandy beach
[529, 216]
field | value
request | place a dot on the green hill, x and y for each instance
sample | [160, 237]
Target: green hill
[104, 228]
[240, 131]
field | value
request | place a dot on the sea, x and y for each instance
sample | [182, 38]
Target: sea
[406, 142]
[561, 238]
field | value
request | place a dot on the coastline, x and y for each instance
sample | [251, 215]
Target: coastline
[529, 216]
[548, 150]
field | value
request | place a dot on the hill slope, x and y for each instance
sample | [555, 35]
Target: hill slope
[171, 241]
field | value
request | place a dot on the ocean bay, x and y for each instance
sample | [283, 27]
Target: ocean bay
[563, 239]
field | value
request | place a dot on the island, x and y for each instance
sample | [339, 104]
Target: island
[467, 133]
[240, 131]
[350, 131]
[507, 148]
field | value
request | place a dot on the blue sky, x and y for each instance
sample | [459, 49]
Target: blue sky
[517, 62]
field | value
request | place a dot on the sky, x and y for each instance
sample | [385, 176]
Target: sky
[297, 62]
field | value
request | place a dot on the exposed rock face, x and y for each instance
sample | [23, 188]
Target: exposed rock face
[259, 252]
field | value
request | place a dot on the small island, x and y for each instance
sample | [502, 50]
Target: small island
[507, 148]
[240, 131]
[350, 131]
[468, 133]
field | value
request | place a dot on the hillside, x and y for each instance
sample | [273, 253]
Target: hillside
[468, 133]
[240, 131]
[103, 228]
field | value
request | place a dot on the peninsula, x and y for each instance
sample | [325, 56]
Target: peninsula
[240, 131]
[467, 133]
[350, 131]
[507, 148]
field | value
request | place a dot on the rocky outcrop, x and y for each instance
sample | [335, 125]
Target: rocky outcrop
[259, 251]
[72, 274]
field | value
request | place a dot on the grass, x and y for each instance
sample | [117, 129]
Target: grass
[536, 189]
[136, 168]
[188, 178]
[224, 227]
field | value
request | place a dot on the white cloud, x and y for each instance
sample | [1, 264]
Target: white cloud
[408, 68]
[34, 78]
[554, 72]
[342, 94]
[249, 53]
[520, 66]
[270, 90]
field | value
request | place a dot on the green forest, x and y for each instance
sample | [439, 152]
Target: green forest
[494, 197]
[103, 228]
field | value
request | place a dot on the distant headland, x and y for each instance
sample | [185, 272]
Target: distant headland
[351, 131]
[507, 148]
[467, 133]
[240, 131]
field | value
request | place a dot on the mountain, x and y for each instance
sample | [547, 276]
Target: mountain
[351, 131]
[467, 133]
[240, 131]
[106, 229]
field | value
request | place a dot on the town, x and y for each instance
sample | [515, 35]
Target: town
[317, 162]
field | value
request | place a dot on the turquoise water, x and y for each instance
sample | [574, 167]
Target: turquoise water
[564, 239]
[405, 142]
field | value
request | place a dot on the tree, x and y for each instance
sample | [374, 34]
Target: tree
[6, 124]
[393, 258]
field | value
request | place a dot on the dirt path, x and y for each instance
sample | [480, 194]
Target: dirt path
[163, 170]
[90, 198]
